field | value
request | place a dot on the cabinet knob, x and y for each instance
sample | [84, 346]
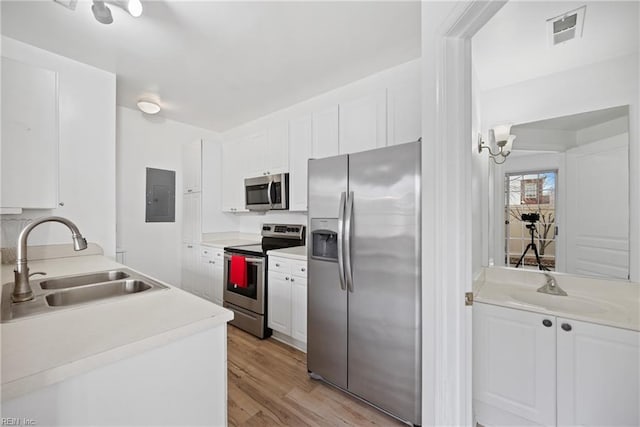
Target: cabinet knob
[189, 246]
[547, 323]
[189, 190]
[303, 269]
[61, 204]
[566, 327]
[292, 280]
[212, 262]
[286, 278]
[277, 265]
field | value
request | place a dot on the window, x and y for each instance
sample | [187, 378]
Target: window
[530, 193]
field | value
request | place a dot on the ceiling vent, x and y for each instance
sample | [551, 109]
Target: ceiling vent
[567, 26]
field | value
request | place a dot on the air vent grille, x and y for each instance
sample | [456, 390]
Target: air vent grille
[567, 26]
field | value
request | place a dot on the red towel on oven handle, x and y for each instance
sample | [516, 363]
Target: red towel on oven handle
[238, 275]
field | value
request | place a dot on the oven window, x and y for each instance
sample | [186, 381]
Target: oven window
[257, 194]
[251, 291]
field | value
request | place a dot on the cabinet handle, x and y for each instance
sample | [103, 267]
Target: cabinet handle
[189, 246]
[286, 278]
[547, 323]
[189, 190]
[566, 327]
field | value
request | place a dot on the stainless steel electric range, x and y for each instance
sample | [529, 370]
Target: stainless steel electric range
[249, 300]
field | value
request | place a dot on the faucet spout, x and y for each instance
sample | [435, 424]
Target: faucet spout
[22, 289]
[551, 286]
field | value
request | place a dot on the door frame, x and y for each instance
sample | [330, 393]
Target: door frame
[448, 147]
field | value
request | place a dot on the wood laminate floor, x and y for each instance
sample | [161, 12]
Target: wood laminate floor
[269, 386]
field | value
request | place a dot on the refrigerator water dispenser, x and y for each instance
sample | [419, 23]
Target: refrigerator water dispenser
[324, 239]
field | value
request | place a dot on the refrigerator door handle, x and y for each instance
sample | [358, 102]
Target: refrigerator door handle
[341, 209]
[347, 241]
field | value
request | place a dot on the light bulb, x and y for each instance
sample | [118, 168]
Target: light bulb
[134, 7]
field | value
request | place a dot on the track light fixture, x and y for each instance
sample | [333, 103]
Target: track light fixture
[102, 13]
[500, 136]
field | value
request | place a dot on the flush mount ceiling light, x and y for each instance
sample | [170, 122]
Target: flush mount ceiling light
[148, 107]
[102, 13]
[500, 136]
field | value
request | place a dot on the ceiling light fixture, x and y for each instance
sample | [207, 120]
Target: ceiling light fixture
[148, 107]
[102, 13]
[500, 136]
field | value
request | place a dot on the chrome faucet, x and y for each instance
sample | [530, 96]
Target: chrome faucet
[22, 290]
[551, 286]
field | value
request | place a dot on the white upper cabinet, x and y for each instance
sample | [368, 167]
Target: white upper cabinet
[277, 155]
[300, 142]
[30, 133]
[234, 155]
[325, 133]
[363, 123]
[192, 166]
[404, 112]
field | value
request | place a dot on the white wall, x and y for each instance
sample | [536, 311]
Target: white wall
[150, 141]
[597, 86]
[87, 99]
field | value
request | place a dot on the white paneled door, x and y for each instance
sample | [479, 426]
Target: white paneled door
[300, 142]
[363, 123]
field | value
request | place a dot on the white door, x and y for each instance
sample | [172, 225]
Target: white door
[277, 149]
[363, 123]
[217, 274]
[234, 169]
[325, 133]
[514, 366]
[279, 303]
[597, 203]
[300, 141]
[299, 308]
[189, 266]
[598, 375]
[191, 217]
[191, 166]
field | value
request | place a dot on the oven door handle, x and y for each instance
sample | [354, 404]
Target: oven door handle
[249, 260]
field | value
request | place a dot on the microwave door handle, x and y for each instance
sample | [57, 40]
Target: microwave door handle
[343, 286]
[347, 241]
[269, 193]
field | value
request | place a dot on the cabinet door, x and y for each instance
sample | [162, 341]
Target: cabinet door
[598, 375]
[29, 137]
[279, 307]
[403, 112]
[325, 133]
[189, 266]
[191, 217]
[192, 166]
[277, 149]
[300, 140]
[233, 174]
[254, 154]
[514, 366]
[217, 274]
[299, 308]
[363, 123]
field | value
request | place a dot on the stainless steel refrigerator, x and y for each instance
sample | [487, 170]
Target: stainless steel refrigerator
[364, 278]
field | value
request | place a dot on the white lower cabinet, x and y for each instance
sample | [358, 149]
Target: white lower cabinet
[534, 369]
[287, 298]
[189, 266]
[203, 272]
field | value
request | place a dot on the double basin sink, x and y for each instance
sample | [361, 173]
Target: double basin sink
[65, 292]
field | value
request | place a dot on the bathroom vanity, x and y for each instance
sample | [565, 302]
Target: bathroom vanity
[555, 360]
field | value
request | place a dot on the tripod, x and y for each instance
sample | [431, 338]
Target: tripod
[532, 245]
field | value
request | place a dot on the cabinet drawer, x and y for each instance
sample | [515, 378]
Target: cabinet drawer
[280, 265]
[299, 268]
[206, 252]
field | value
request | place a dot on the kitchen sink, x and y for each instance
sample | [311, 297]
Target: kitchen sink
[83, 279]
[570, 304]
[96, 292]
[63, 293]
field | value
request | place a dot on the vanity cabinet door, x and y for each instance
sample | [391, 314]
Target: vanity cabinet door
[598, 374]
[514, 366]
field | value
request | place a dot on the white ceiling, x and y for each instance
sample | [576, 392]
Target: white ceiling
[513, 46]
[221, 64]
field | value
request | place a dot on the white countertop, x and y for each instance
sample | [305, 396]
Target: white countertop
[296, 252]
[232, 238]
[42, 350]
[602, 301]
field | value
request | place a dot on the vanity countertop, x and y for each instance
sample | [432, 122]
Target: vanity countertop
[602, 301]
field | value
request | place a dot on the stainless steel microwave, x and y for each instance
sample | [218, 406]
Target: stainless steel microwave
[267, 192]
